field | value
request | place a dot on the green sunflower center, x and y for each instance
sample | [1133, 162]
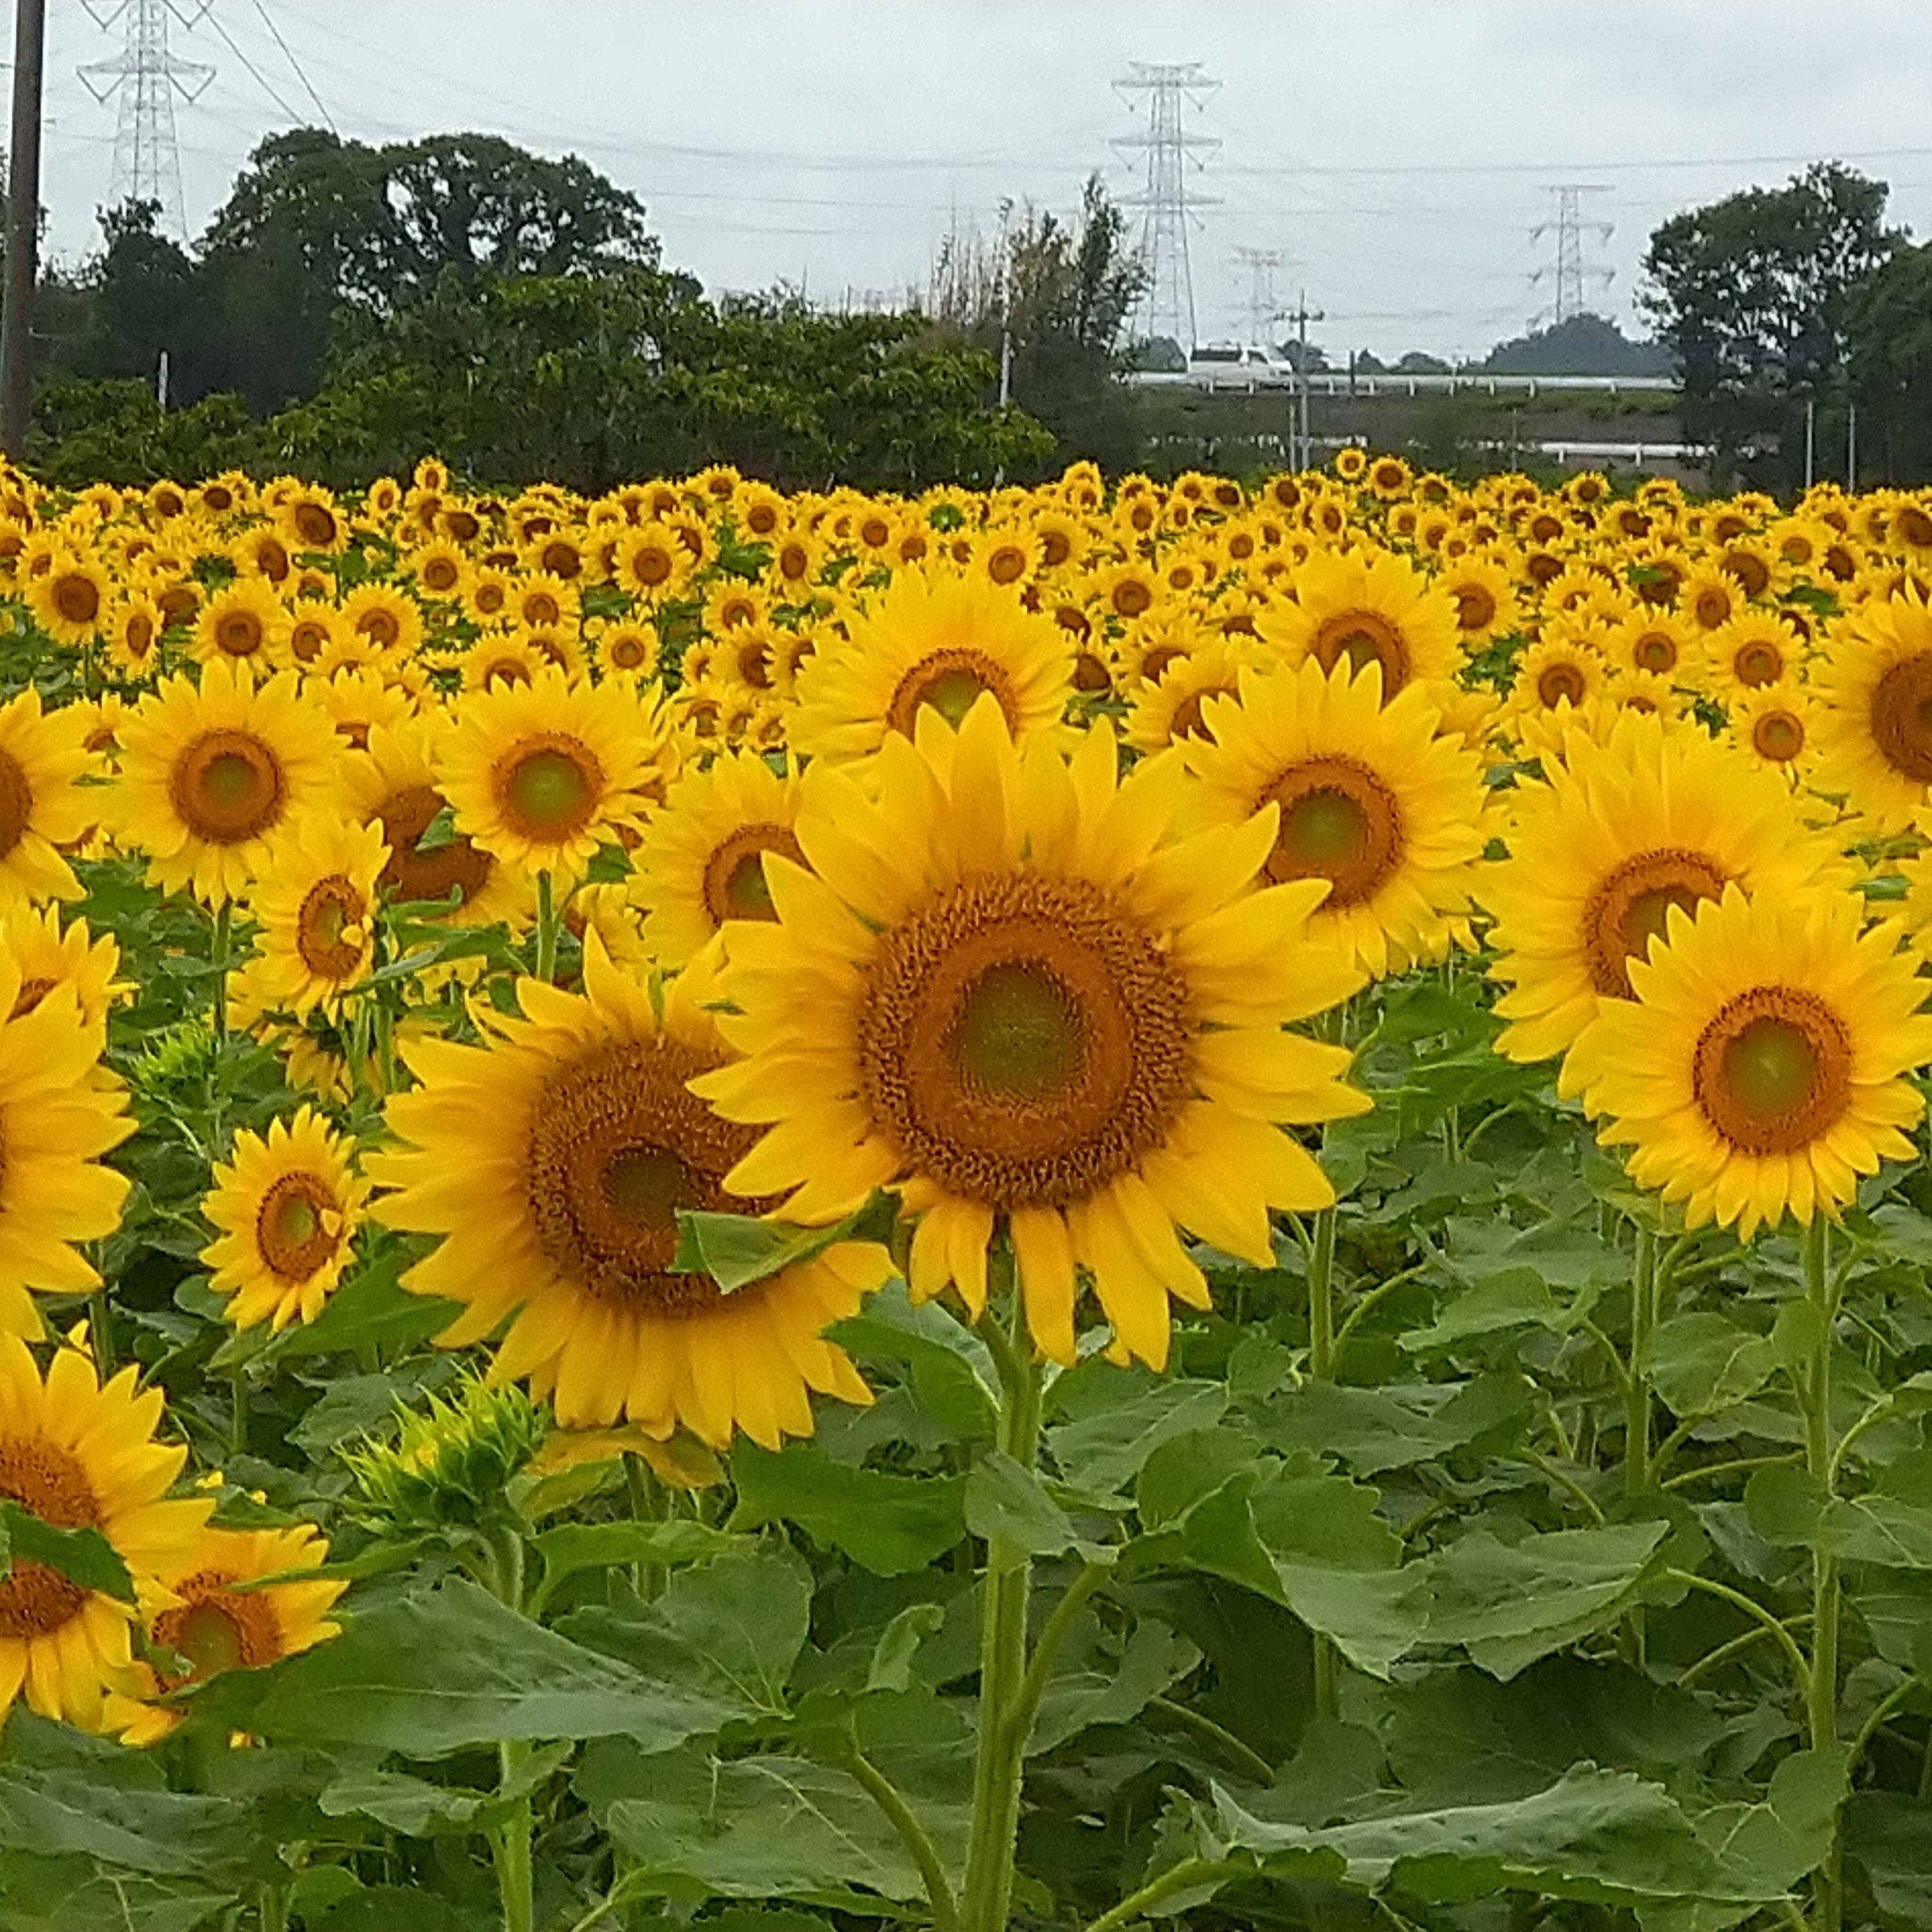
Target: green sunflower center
[1018, 1034]
[552, 791]
[647, 1185]
[1770, 1066]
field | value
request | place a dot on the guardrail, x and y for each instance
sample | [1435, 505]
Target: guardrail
[1623, 455]
[1328, 383]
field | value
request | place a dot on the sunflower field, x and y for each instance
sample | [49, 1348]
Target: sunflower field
[1118, 1205]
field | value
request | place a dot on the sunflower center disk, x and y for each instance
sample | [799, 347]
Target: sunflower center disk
[950, 682]
[552, 792]
[1773, 1071]
[77, 600]
[1901, 718]
[1364, 638]
[1561, 684]
[405, 816]
[239, 635]
[735, 886]
[333, 904]
[216, 1628]
[616, 1146]
[227, 787]
[290, 1231]
[1632, 907]
[47, 1480]
[16, 802]
[1758, 664]
[1339, 822]
[1778, 736]
[1023, 1040]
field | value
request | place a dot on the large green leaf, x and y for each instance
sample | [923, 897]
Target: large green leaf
[441, 1670]
[946, 1364]
[1101, 1449]
[1701, 1362]
[54, 1813]
[73, 1894]
[1508, 1603]
[83, 1556]
[890, 1524]
[1097, 1686]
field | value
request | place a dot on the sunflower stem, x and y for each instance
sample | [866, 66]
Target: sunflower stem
[546, 965]
[224, 915]
[510, 1845]
[1821, 1462]
[1636, 1384]
[1321, 1369]
[999, 1768]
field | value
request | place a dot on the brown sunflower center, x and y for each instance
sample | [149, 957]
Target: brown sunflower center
[1339, 822]
[1900, 718]
[540, 607]
[1914, 526]
[239, 633]
[1760, 662]
[331, 907]
[734, 875]
[1091, 673]
[1751, 570]
[1711, 606]
[616, 1146]
[1561, 684]
[216, 1627]
[1654, 651]
[1023, 1040]
[1187, 721]
[1362, 637]
[381, 626]
[293, 1230]
[1131, 597]
[315, 525]
[1632, 906]
[951, 682]
[628, 652]
[405, 816]
[1773, 1071]
[1475, 607]
[76, 597]
[16, 802]
[227, 787]
[1778, 736]
[49, 1483]
[549, 787]
[441, 573]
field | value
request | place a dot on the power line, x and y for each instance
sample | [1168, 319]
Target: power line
[300, 74]
[262, 79]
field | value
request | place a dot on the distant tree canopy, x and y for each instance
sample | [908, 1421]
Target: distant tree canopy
[350, 307]
[1889, 324]
[1579, 345]
[1753, 295]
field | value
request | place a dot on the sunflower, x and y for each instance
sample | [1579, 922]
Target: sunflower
[551, 1161]
[245, 621]
[541, 774]
[1776, 724]
[544, 602]
[1761, 1066]
[701, 859]
[386, 615]
[356, 701]
[222, 1618]
[1351, 464]
[1371, 606]
[287, 1208]
[71, 599]
[442, 569]
[932, 642]
[132, 629]
[79, 1455]
[42, 755]
[1617, 834]
[652, 562]
[315, 903]
[1655, 644]
[392, 785]
[48, 956]
[1012, 994]
[209, 772]
[1369, 798]
[623, 649]
[1563, 669]
[1485, 597]
[311, 520]
[1754, 649]
[1873, 686]
[1169, 710]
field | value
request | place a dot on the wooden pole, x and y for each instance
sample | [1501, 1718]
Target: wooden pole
[23, 227]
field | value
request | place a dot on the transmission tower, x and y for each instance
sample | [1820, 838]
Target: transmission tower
[1167, 199]
[1263, 307]
[1572, 274]
[148, 78]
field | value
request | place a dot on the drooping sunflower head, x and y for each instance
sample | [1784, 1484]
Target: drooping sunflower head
[1760, 1066]
[931, 642]
[1042, 1011]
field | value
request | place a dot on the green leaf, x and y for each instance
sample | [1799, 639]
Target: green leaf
[55, 1812]
[1099, 1689]
[889, 1524]
[572, 1546]
[1508, 1604]
[73, 1895]
[946, 1364]
[1102, 1451]
[1006, 1503]
[449, 1668]
[1374, 1430]
[371, 1309]
[737, 1249]
[1702, 1362]
[83, 1556]
[890, 1669]
[400, 1803]
[732, 1628]
[1888, 1837]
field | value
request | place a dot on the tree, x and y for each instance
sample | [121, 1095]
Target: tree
[1889, 324]
[1751, 295]
[1579, 345]
[1064, 291]
[147, 298]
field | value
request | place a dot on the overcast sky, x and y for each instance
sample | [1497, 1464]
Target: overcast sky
[1398, 152]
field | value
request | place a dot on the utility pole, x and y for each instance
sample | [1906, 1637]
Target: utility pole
[23, 226]
[1006, 302]
[1299, 449]
[1810, 435]
[1166, 200]
[1851, 447]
